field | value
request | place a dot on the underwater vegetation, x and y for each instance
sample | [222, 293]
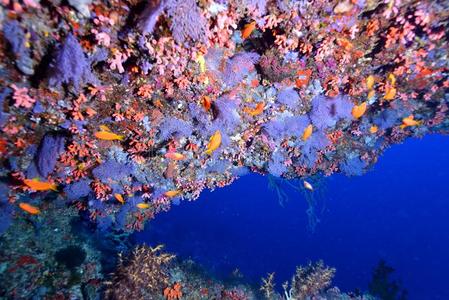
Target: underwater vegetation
[113, 110]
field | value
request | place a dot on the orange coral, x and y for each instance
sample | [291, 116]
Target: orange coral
[173, 293]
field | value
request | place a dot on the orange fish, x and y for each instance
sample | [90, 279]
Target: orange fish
[307, 132]
[303, 79]
[119, 198]
[172, 193]
[37, 185]
[206, 102]
[143, 205]
[410, 121]
[248, 29]
[373, 129]
[359, 110]
[174, 156]
[108, 136]
[214, 142]
[390, 93]
[342, 42]
[392, 79]
[254, 83]
[371, 94]
[255, 111]
[29, 208]
[370, 82]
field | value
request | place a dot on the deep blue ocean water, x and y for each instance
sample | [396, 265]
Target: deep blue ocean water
[398, 211]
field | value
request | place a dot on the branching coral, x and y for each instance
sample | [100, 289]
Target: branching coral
[140, 276]
[309, 281]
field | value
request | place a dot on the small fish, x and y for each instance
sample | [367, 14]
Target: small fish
[214, 142]
[119, 198]
[303, 78]
[410, 121]
[371, 94]
[172, 193]
[254, 83]
[29, 208]
[390, 93]
[307, 132]
[206, 102]
[143, 205]
[370, 82]
[108, 136]
[37, 185]
[345, 43]
[248, 29]
[392, 79]
[359, 110]
[255, 111]
[308, 186]
[373, 129]
[202, 62]
[175, 156]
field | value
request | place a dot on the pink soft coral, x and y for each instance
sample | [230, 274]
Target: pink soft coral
[21, 97]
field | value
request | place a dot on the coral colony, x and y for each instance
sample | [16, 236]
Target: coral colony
[118, 109]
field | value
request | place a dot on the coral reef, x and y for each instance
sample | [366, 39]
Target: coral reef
[124, 107]
[121, 109]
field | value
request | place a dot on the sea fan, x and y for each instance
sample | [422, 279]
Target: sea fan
[288, 97]
[70, 66]
[326, 112]
[5, 208]
[150, 15]
[287, 126]
[228, 117]
[113, 170]
[276, 165]
[256, 7]
[353, 166]
[174, 126]
[4, 116]
[15, 35]
[78, 189]
[51, 145]
[238, 67]
[309, 148]
[187, 22]
[386, 118]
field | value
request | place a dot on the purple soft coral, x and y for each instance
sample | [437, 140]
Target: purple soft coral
[238, 67]
[71, 65]
[150, 15]
[48, 152]
[187, 21]
[288, 97]
[326, 112]
[174, 126]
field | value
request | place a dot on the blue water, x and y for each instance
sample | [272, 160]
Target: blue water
[399, 211]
